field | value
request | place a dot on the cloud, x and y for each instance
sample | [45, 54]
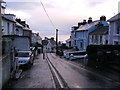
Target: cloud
[22, 0]
[23, 5]
[63, 13]
[19, 14]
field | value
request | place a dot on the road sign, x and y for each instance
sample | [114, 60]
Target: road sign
[44, 42]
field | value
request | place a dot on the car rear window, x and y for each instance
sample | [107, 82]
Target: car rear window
[21, 54]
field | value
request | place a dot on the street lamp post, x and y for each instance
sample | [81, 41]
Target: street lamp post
[56, 41]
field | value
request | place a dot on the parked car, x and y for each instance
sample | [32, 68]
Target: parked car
[73, 54]
[78, 55]
[73, 57]
[24, 58]
[68, 54]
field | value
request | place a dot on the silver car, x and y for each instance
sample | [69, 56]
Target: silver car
[24, 58]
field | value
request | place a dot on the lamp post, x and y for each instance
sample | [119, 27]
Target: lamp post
[56, 41]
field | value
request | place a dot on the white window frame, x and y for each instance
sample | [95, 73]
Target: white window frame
[116, 40]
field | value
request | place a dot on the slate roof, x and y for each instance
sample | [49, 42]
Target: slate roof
[9, 18]
[100, 31]
[114, 18]
[87, 26]
[6, 18]
[19, 25]
[27, 29]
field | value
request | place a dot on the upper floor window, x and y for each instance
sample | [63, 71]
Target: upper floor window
[118, 27]
[8, 28]
[116, 42]
[100, 38]
[106, 42]
[81, 44]
[13, 29]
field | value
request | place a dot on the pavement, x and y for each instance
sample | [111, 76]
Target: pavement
[38, 76]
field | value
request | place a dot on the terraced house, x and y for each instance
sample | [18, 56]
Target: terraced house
[114, 30]
[79, 35]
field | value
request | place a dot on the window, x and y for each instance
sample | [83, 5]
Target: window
[92, 38]
[17, 29]
[8, 28]
[81, 44]
[23, 54]
[13, 29]
[106, 42]
[118, 27]
[75, 42]
[100, 39]
[118, 30]
[96, 39]
[116, 42]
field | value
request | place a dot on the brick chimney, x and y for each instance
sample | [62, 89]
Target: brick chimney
[18, 20]
[80, 23]
[74, 28]
[103, 18]
[89, 20]
[84, 22]
[23, 23]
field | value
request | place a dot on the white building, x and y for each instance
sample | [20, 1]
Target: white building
[34, 38]
[68, 42]
[114, 30]
[79, 35]
[19, 28]
[99, 36]
[39, 39]
[51, 46]
[8, 24]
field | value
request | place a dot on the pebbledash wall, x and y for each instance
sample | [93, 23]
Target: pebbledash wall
[0, 49]
[6, 61]
[6, 64]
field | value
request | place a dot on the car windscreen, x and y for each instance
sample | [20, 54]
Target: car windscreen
[22, 54]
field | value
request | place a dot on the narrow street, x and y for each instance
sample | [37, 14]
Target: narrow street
[40, 76]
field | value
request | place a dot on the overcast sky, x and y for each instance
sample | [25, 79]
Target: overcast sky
[63, 13]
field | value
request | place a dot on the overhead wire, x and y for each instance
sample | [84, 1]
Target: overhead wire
[47, 15]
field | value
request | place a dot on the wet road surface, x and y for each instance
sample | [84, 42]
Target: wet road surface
[78, 77]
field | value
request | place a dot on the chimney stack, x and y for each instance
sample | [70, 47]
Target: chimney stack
[89, 20]
[103, 18]
[80, 23]
[18, 20]
[84, 22]
[75, 27]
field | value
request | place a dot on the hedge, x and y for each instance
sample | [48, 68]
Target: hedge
[100, 56]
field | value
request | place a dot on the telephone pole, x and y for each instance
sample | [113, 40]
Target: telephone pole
[56, 41]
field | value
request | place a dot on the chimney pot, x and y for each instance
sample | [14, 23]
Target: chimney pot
[84, 22]
[103, 18]
[89, 20]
